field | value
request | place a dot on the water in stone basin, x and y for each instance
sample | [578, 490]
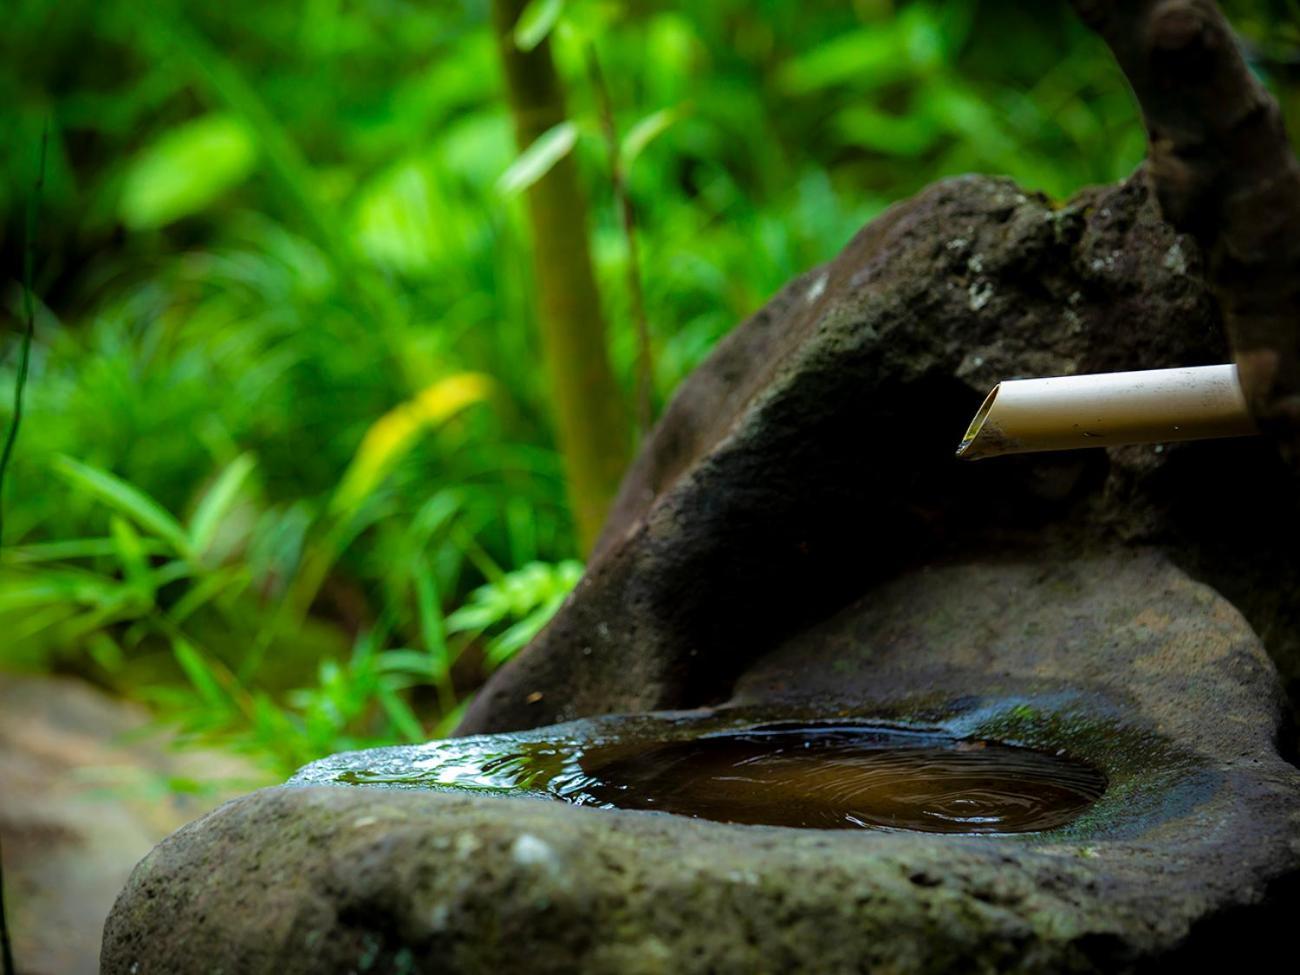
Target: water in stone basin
[811, 776]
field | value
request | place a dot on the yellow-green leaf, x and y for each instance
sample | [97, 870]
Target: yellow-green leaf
[391, 437]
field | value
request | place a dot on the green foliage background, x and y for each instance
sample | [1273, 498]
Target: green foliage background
[268, 226]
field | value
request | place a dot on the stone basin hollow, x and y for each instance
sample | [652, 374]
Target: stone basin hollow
[815, 776]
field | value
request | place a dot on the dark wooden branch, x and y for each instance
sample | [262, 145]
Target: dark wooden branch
[1224, 172]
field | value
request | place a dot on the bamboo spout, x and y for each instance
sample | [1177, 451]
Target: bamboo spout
[1108, 409]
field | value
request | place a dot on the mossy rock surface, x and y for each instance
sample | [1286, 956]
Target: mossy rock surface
[1116, 657]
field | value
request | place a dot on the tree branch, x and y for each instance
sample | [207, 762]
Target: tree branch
[1223, 170]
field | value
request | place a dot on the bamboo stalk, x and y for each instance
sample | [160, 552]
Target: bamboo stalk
[1108, 409]
[591, 416]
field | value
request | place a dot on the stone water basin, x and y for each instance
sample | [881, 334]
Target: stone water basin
[1140, 696]
[806, 463]
[812, 775]
[738, 768]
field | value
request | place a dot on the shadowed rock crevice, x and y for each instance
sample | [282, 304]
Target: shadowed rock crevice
[1215, 943]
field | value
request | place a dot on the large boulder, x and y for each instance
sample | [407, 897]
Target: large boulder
[811, 457]
[797, 542]
[1115, 657]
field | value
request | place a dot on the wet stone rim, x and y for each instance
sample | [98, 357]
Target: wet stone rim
[1146, 778]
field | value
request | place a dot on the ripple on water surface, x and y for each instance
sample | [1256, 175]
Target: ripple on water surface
[811, 776]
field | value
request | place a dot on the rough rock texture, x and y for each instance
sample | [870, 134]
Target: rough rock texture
[1117, 657]
[811, 458]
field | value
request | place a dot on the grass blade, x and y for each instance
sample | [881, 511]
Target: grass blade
[400, 714]
[70, 549]
[433, 630]
[133, 559]
[200, 675]
[126, 499]
[217, 502]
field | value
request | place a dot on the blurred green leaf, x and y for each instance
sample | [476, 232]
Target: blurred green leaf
[411, 663]
[53, 586]
[217, 502]
[208, 589]
[105, 651]
[516, 637]
[131, 554]
[646, 130]
[200, 675]
[185, 170]
[400, 713]
[70, 549]
[536, 21]
[402, 220]
[128, 500]
[536, 161]
[866, 58]
[908, 136]
[526, 599]
[432, 626]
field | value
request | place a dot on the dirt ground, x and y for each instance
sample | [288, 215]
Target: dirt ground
[87, 787]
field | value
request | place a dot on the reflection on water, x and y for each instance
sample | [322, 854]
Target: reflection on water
[813, 776]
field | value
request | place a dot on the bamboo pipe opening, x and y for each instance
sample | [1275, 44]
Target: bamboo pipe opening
[977, 422]
[1108, 409]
